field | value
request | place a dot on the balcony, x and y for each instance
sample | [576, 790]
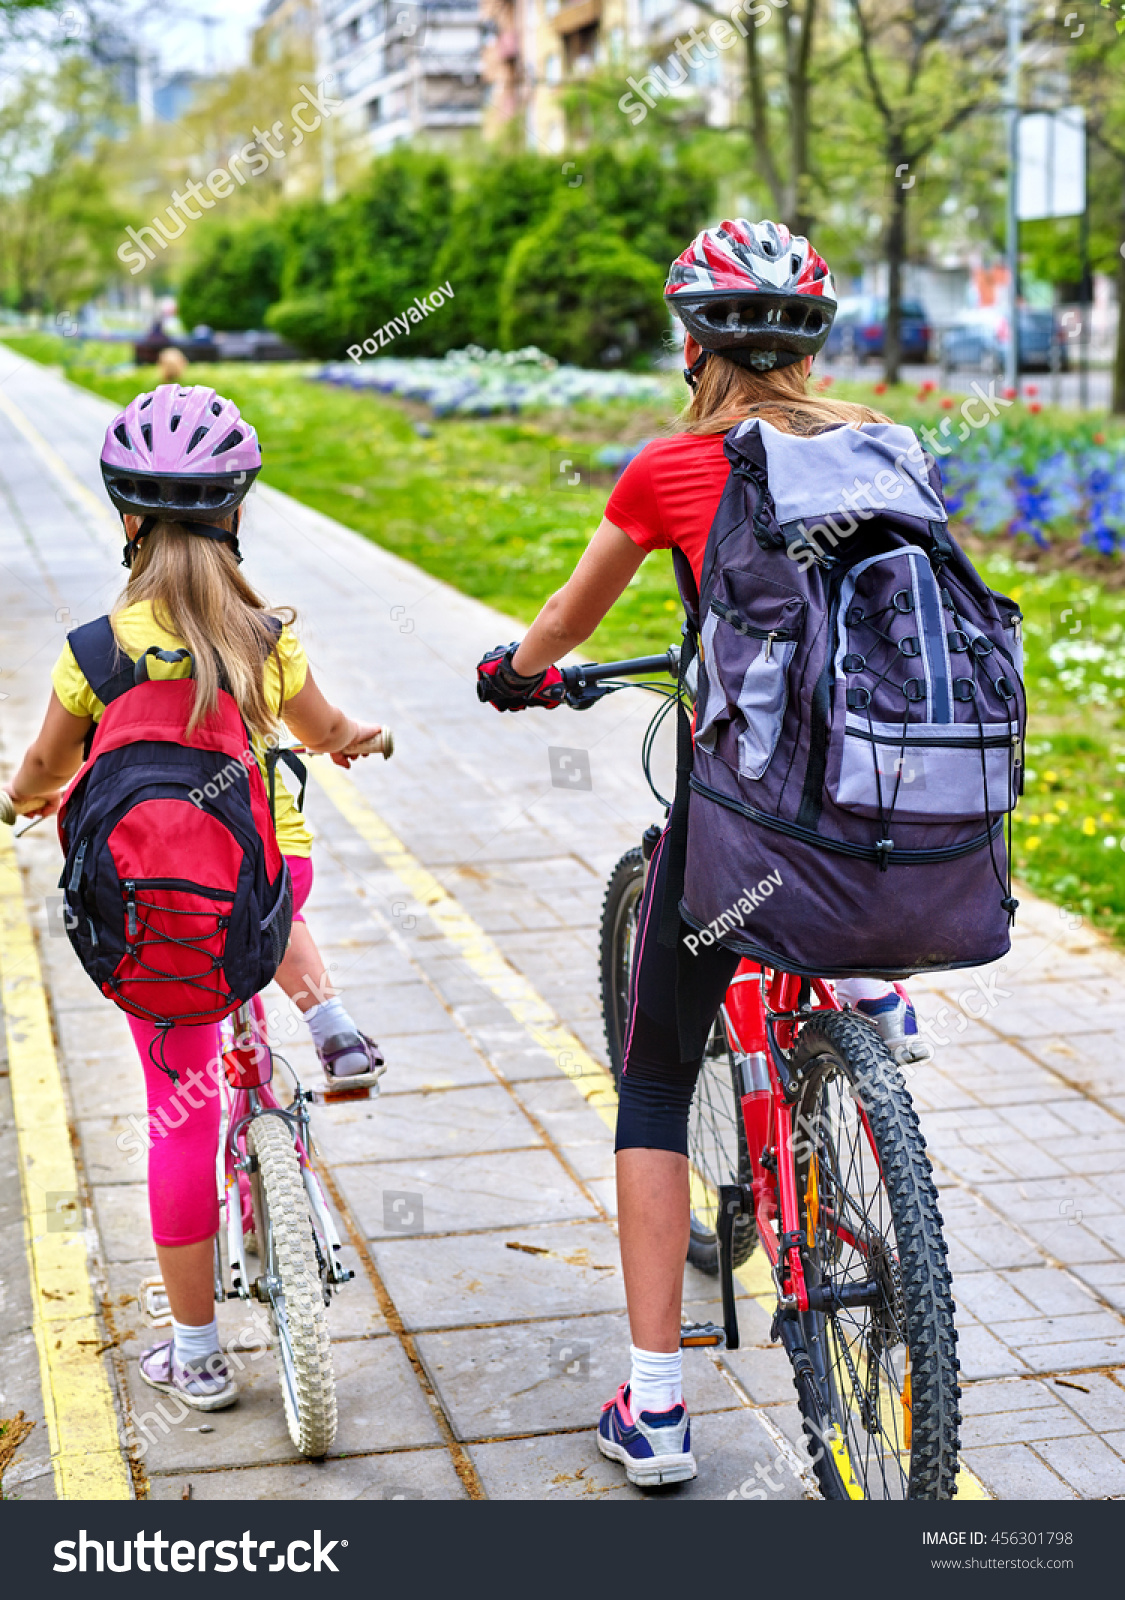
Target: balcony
[461, 65]
[576, 18]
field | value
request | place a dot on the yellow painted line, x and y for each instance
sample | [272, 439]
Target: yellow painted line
[78, 1401]
[87, 500]
[480, 953]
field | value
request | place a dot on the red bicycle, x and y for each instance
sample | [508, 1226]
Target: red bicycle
[803, 1141]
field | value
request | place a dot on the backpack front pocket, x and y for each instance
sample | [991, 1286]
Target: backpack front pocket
[949, 772]
[927, 723]
[748, 640]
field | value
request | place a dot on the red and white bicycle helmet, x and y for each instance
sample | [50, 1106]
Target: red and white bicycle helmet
[183, 455]
[754, 293]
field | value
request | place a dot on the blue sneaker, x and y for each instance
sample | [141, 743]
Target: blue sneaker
[895, 1020]
[654, 1447]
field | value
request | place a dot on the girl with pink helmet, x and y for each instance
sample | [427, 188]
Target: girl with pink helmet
[177, 464]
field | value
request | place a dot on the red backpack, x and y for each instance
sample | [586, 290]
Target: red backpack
[177, 897]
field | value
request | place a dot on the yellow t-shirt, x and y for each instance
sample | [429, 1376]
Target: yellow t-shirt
[136, 629]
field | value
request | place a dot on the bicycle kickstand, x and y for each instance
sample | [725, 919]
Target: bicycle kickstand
[731, 1205]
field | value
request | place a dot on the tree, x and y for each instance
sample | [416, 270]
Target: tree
[927, 66]
[58, 224]
[1099, 78]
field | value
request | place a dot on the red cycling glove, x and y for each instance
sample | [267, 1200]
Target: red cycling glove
[499, 685]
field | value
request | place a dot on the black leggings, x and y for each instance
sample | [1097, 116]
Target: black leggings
[657, 1086]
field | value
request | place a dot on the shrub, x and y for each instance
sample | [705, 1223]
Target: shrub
[315, 324]
[505, 196]
[575, 287]
[234, 278]
[387, 234]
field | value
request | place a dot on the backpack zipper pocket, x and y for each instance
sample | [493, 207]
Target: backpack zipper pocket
[749, 631]
[746, 650]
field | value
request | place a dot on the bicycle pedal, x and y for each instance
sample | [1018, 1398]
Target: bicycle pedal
[153, 1299]
[702, 1335]
[347, 1089]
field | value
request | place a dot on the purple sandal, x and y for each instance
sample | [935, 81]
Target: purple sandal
[206, 1385]
[345, 1044]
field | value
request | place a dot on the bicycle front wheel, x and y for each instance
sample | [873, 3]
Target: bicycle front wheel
[877, 1381]
[716, 1135]
[292, 1286]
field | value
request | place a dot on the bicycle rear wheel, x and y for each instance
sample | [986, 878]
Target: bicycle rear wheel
[292, 1287]
[716, 1135]
[878, 1391]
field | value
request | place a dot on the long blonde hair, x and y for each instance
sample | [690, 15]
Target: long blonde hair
[726, 393]
[198, 594]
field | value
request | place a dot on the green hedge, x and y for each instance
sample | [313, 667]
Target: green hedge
[569, 255]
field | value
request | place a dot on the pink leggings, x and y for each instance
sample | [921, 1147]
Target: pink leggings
[183, 1117]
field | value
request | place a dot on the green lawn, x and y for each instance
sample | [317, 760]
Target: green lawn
[473, 503]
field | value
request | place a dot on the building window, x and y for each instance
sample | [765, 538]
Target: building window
[374, 112]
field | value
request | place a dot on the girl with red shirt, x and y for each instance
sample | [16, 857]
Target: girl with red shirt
[757, 304]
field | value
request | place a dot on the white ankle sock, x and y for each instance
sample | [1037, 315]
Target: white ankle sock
[852, 990]
[327, 1020]
[656, 1379]
[195, 1344]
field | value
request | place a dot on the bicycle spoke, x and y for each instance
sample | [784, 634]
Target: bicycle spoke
[855, 1242]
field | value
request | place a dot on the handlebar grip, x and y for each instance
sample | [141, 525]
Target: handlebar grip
[7, 809]
[383, 745]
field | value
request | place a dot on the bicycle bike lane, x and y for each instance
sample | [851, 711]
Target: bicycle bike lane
[457, 892]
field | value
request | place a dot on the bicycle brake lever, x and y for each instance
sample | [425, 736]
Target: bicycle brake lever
[581, 699]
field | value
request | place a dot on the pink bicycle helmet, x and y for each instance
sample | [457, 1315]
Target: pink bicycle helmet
[182, 455]
[754, 293]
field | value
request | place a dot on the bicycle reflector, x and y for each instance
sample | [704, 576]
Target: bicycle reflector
[248, 1063]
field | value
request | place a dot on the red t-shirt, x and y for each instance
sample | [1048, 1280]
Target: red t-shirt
[667, 496]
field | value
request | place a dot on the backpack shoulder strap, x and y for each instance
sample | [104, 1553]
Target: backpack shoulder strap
[101, 660]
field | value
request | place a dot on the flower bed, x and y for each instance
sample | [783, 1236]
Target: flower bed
[1075, 491]
[476, 382]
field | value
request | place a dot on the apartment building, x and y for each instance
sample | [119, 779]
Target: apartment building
[405, 70]
[534, 49]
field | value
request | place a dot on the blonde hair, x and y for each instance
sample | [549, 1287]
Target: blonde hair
[726, 393]
[198, 593]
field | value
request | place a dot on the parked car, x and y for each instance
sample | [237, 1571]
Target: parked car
[861, 325]
[980, 339]
[203, 344]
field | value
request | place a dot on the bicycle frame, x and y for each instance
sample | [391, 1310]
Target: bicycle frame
[761, 1013]
[248, 1063]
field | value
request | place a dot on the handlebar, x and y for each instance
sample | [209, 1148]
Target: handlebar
[591, 681]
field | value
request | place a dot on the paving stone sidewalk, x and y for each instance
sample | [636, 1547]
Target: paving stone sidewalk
[486, 1322]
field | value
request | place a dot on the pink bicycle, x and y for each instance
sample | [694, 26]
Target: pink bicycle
[277, 1215]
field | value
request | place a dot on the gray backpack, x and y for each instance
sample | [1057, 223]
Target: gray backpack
[859, 719]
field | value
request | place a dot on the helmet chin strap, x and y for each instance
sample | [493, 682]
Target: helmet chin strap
[205, 530]
[691, 374]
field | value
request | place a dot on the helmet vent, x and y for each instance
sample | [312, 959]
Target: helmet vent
[121, 436]
[200, 433]
[146, 402]
[174, 424]
[232, 438]
[794, 263]
[216, 408]
[146, 433]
